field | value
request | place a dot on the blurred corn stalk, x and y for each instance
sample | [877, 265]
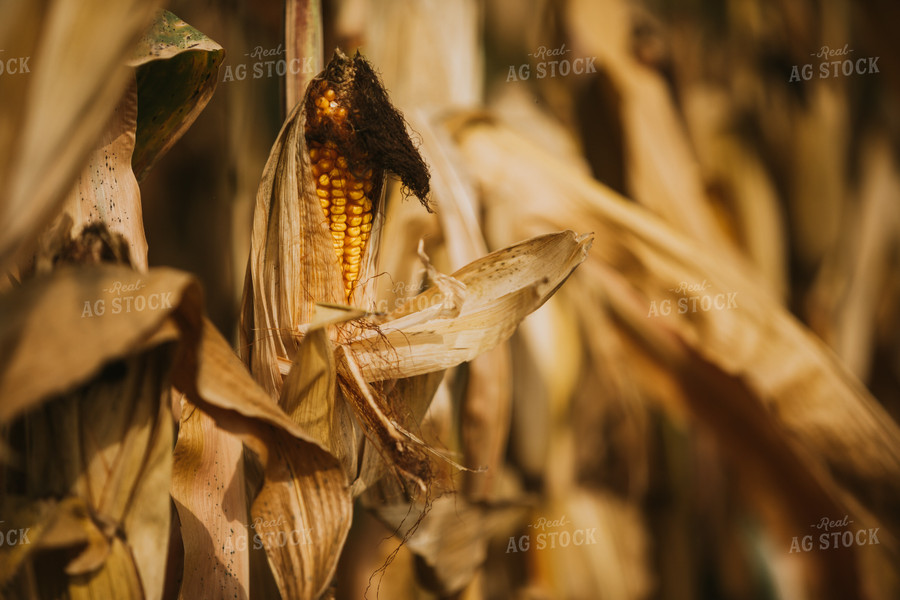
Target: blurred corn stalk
[710, 444]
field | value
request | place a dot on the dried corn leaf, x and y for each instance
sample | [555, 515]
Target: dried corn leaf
[75, 53]
[308, 394]
[106, 190]
[400, 410]
[500, 290]
[832, 421]
[95, 317]
[177, 69]
[209, 491]
[302, 513]
[107, 443]
[661, 171]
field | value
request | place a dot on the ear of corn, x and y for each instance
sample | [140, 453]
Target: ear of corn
[353, 136]
[346, 199]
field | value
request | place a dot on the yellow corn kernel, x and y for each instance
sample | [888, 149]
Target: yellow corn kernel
[343, 195]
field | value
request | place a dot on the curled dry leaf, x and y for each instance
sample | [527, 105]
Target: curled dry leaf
[106, 189]
[87, 414]
[44, 142]
[302, 513]
[177, 69]
[500, 290]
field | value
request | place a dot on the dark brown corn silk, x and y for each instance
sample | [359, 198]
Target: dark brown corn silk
[354, 135]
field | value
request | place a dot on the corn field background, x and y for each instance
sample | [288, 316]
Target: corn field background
[639, 339]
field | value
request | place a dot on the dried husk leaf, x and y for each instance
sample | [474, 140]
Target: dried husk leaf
[383, 429]
[176, 68]
[309, 392]
[75, 53]
[402, 409]
[303, 514]
[292, 264]
[500, 290]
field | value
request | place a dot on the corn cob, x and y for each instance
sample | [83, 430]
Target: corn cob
[345, 196]
[353, 135]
